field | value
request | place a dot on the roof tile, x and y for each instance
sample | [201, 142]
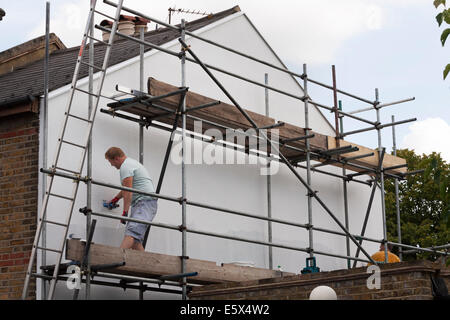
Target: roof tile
[29, 80]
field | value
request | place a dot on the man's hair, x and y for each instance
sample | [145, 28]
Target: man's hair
[389, 246]
[113, 153]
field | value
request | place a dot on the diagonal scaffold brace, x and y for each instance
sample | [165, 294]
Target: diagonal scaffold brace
[283, 158]
[168, 151]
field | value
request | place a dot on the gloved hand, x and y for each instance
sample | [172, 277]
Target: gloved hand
[113, 203]
[124, 214]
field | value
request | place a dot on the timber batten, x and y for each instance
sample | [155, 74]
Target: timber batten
[155, 265]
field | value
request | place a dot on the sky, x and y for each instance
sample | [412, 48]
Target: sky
[391, 45]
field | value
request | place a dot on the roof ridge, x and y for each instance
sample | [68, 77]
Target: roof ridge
[161, 30]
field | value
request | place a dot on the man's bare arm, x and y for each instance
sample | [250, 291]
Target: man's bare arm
[119, 195]
[128, 183]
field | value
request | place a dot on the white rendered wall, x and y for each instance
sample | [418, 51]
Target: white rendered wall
[239, 187]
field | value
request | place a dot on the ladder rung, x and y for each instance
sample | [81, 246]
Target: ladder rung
[49, 249]
[77, 117]
[87, 92]
[91, 65]
[73, 144]
[60, 196]
[101, 41]
[96, 95]
[67, 170]
[56, 223]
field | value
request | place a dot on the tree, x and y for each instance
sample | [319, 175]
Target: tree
[443, 16]
[424, 204]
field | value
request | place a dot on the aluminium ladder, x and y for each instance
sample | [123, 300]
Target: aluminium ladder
[49, 195]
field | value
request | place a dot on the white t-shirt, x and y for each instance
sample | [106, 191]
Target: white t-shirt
[141, 179]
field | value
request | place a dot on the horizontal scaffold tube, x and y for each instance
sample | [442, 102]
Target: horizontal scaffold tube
[417, 248]
[223, 236]
[152, 124]
[192, 203]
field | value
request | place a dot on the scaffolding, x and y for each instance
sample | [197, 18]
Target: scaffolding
[306, 154]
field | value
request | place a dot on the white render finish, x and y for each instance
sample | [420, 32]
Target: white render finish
[238, 187]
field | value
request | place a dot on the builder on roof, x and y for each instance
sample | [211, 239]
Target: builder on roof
[133, 175]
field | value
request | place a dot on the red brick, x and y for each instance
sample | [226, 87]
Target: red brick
[20, 262]
[19, 154]
[18, 133]
[6, 263]
[5, 276]
[17, 283]
[6, 236]
[17, 268]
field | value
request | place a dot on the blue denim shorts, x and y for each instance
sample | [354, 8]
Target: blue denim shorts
[142, 210]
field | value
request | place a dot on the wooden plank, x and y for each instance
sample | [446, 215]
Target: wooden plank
[223, 113]
[148, 264]
[388, 161]
[229, 116]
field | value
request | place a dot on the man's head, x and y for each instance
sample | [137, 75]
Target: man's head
[389, 247]
[115, 156]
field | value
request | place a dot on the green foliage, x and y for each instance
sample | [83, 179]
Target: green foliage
[424, 201]
[446, 70]
[444, 36]
[443, 16]
[437, 3]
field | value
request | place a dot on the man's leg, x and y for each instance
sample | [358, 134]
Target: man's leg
[138, 246]
[127, 243]
[135, 232]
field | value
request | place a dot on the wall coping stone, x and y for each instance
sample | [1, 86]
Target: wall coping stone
[319, 278]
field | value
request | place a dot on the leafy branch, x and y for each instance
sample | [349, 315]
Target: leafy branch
[424, 203]
[443, 16]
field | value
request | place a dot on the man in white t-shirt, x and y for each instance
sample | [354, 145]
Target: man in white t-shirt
[143, 207]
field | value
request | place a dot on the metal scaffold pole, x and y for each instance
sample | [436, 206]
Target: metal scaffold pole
[141, 88]
[45, 141]
[344, 187]
[397, 202]
[381, 175]
[183, 165]
[141, 126]
[338, 123]
[268, 179]
[308, 162]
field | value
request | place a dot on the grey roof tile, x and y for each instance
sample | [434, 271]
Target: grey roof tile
[29, 80]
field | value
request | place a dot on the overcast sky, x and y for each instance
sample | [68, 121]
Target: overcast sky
[392, 45]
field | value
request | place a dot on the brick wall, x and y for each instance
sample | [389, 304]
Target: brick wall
[399, 281]
[19, 167]
[27, 53]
